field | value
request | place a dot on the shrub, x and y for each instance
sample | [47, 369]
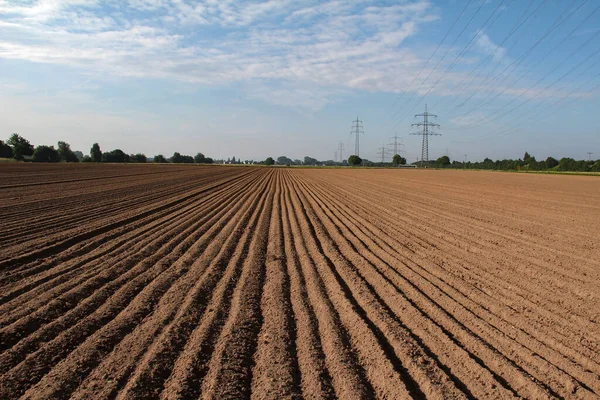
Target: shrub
[354, 160]
[65, 152]
[181, 159]
[45, 154]
[20, 146]
[138, 158]
[5, 150]
[96, 153]
[199, 158]
[115, 156]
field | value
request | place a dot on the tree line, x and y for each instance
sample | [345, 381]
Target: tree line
[353, 160]
[527, 163]
[19, 148]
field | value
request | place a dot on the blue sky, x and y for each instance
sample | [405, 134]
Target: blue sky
[253, 79]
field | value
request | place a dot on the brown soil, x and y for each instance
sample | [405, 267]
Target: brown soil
[163, 281]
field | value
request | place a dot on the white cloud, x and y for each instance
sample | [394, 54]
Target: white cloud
[301, 52]
[348, 44]
[488, 47]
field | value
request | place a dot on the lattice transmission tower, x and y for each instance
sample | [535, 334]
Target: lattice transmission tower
[425, 132]
[383, 152]
[396, 144]
[341, 151]
[357, 129]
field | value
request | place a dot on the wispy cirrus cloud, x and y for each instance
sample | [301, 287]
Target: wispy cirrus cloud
[344, 44]
[487, 46]
[302, 53]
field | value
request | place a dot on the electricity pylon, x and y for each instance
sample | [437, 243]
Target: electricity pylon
[396, 144]
[357, 129]
[383, 152]
[426, 132]
[341, 151]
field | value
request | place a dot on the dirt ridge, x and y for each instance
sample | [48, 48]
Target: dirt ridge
[168, 282]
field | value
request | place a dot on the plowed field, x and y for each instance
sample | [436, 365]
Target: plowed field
[142, 282]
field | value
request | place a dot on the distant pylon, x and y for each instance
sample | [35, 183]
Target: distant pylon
[357, 129]
[383, 153]
[341, 151]
[425, 133]
[396, 144]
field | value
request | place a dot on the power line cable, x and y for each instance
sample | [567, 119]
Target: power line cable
[433, 54]
[524, 55]
[460, 55]
[516, 121]
[515, 28]
[483, 121]
[441, 59]
[489, 99]
[429, 59]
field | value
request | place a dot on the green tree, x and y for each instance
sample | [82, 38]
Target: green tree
[45, 154]
[65, 152]
[283, 160]
[269, 161]
[536, 166]
[5, 150]
[398, 160]
[354, 160]
[310, 161]
[20, 146]
[551, 162]
[78, 154]
[160, 159]
[115, 156]
[86, 159]
[96, 153]
[181, 159]
[443, 161]
[176, 158]
[199, 158]
[527, 158]
[208, 160]
[567, 164]
[139, 158]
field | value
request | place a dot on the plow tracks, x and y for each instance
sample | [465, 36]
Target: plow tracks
[166, 282]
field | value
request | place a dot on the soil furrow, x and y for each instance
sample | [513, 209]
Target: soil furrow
[276, 373]
[316, 382]
[460, 275]
[153, 346]
[368, 250]
[184, 281]
[229, 372]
